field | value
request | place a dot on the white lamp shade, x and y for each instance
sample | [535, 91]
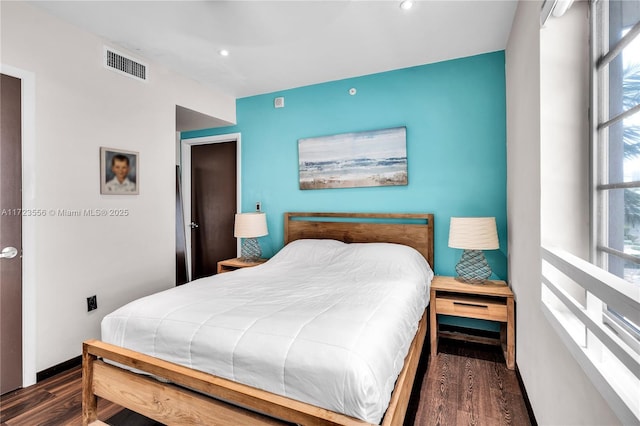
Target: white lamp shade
[473, 233]
[250, 225]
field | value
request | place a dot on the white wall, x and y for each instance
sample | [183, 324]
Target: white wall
[79, 107]
[558, 390]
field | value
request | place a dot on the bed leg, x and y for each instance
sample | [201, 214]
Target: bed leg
[89, 400]
[433, 327]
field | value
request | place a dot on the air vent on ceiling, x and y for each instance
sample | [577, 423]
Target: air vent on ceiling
[117, 62]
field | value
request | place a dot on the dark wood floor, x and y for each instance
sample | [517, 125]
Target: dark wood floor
[468, 384]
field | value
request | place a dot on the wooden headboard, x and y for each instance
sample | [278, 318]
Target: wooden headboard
[413, 230]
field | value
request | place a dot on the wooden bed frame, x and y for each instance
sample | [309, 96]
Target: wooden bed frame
[185, 396]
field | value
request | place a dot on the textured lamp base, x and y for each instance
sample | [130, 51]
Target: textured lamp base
[473, 267]
[250, 250]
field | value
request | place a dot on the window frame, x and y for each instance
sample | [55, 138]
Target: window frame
[601, 185]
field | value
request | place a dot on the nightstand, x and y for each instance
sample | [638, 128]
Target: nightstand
[237, 263]
[491, 301]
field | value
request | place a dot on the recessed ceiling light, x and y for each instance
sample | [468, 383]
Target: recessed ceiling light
[224, 52]
[406, 4]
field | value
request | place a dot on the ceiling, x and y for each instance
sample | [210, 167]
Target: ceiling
[277, 45]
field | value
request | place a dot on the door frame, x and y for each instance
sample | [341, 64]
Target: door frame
[185, 162]
[29, 262]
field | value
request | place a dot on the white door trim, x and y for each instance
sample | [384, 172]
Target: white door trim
[29, 263]
[185, 161]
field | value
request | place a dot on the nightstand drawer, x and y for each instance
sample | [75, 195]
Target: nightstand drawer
[472, 307]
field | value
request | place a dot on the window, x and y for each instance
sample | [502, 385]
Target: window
[594, 306]
[616, 151]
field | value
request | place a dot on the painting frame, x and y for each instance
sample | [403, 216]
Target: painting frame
[119, 171]
[369, 158]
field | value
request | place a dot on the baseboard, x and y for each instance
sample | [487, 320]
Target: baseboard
[527, 403]
[59, 368]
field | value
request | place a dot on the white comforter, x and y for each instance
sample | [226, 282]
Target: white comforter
[322, 322]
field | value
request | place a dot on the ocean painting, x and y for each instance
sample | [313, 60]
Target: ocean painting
[349, 160]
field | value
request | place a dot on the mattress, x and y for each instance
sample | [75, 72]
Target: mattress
[322, 322]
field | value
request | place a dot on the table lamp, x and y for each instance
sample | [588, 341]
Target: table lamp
[473, 234]
[250, 226]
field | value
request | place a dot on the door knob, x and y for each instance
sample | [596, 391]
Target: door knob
[193, 225]
[8, 253]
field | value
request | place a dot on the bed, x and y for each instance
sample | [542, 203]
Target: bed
[151, 363]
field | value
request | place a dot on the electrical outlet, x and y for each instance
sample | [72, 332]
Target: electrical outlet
[92, 303]
[258, 206]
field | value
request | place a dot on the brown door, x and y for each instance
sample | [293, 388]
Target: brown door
[181, 243]
[213, 206]
[10, 234]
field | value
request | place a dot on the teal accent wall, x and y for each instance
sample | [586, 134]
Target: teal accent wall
[455, 115]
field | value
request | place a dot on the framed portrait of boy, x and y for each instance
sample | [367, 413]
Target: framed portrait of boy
[119, 171]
